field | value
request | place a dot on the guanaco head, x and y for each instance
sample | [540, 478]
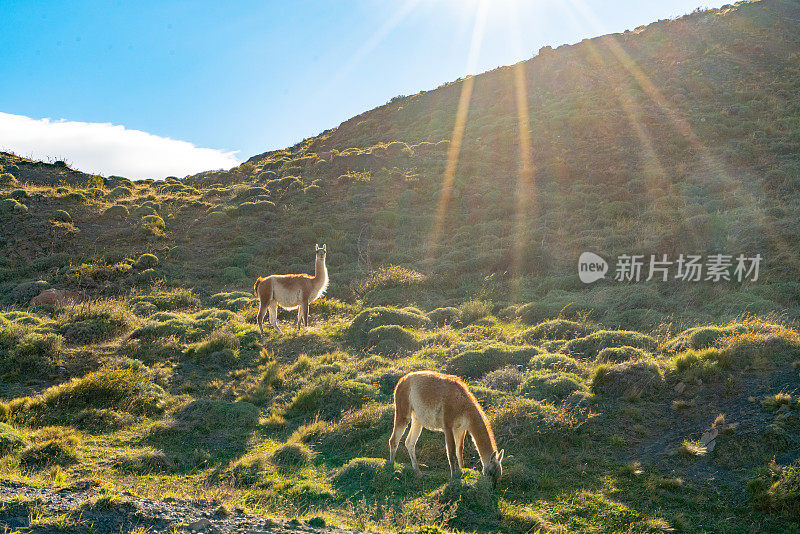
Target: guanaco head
[494, 469]
[321, 251]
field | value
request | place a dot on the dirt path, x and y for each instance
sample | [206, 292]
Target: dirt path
[71, 509]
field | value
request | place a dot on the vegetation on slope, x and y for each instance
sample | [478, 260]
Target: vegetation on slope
[636, 407]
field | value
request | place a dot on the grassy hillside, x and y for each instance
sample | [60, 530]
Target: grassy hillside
[624, 406]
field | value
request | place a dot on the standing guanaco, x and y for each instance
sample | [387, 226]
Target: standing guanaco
[290, 291]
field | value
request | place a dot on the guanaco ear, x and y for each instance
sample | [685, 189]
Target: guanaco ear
[500, 456]
[325, 247]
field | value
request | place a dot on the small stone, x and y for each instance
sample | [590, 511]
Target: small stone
[680, 387]
[709, 436]
[200, 524]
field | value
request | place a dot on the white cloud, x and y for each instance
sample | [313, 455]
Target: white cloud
[107, 149]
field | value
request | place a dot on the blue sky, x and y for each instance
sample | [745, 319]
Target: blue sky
[249, 76]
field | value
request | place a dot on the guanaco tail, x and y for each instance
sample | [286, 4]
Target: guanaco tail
[290, 291]
[444, 403]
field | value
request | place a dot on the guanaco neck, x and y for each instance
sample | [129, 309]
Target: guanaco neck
[482, 435]
[320, 273]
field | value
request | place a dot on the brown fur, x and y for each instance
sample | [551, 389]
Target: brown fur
[291, 291]
[57, 297]
[436, 401]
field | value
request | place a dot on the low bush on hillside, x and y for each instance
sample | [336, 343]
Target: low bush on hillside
[382, 316]
[776, 489]
[11, 439]
[168, 299]
[101, 321]
[291, 456]
[476, 363]
[330, 397]
[392, 339]
[124, 390]
[26, 353]
[589, 347]
[557, 329]
[630, 379]
[621, 354]
[186, 327]
[551, 386]
[445, 316]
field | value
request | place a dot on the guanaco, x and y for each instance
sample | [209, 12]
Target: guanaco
[290, 291]
[444, 403]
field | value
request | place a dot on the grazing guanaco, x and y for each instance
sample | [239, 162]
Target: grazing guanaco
[443, 402]
[290, 291]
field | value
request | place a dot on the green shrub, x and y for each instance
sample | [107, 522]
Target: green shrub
[168, 299]
[555, 362]
[590, 346]
[11, 439]
[256, 209]
[221, 348]
[474, 310]
[506, 378]
[291, 456]
[152, 224]
[101, 321]
[125, 390]
[116, 211]
[145, 463]
[445, 316]
[475, 504]
[61, 215]
[24, 292]
[476, 363]
[207, 415]
[233, 274]
[370, 474]
[120, 191]
[29, 354]
[11, 207]
[699, 337]
[556, 329]
[535, 312]
[392, 284]
[145, 209]
[361, 431]
[776, 489]
[186, 327]
[146, 261]
[621, 354]
[102, 419]
[627, 379]
[55, 452]
[76, 196]
[381, 316]
[235, 300]
[330, 397]
[7, 180]
[553, 386]
[391, 339]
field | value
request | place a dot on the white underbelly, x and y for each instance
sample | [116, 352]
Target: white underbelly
[431, 417]
[288, 299]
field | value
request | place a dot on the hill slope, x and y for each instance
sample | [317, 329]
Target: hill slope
[681, 137]
[678, 138]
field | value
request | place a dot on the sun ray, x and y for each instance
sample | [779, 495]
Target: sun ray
[457, 138]
[525, 193]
